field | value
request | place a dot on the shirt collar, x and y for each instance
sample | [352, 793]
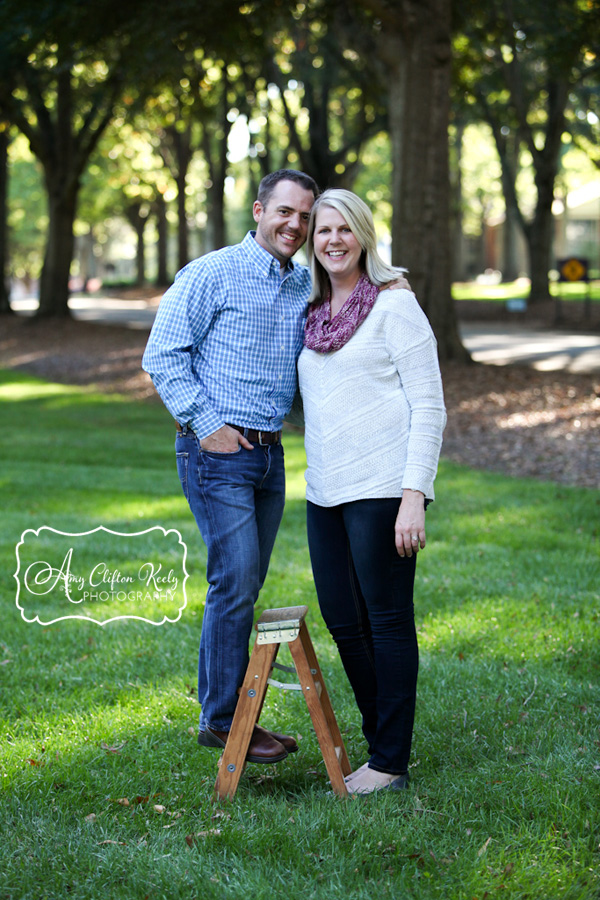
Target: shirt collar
[261, 257]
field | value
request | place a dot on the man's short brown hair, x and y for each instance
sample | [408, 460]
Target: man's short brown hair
[268, 183]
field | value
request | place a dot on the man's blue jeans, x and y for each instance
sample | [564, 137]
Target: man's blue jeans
[237, 500]
[365, 592]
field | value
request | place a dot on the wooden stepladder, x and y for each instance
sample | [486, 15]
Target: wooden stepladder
[276, 627]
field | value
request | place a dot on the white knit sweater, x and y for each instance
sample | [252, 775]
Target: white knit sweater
[374, 410]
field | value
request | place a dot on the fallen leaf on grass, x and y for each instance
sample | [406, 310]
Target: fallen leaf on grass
[482, 850]
[125, 801]
[263, 779]
[91, 817]
[220, 814]
[191, 838]
[174, 815]
[115, 749]
[119, 843]
[158, 808]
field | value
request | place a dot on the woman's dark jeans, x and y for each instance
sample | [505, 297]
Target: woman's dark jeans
[365, 592]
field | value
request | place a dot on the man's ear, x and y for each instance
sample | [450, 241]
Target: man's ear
[257, 209]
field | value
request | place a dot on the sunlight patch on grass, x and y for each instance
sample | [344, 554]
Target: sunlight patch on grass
[30, 390]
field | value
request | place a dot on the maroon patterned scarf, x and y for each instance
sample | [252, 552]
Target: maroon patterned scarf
[322, 333]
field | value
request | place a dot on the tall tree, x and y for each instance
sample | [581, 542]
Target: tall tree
[4, 287]
[529, 57]
[412, 40]
[176, 150]
[64, 70]
[126, 176]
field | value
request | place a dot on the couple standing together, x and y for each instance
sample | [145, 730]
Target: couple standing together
[231, 341]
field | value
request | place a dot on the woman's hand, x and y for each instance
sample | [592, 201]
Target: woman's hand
[410, 523]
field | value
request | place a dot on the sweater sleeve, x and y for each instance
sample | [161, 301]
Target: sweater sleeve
[412, 347]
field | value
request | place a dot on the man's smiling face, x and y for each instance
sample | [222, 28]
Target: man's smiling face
[282, 223]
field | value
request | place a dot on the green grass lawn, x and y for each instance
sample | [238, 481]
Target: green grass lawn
[515, 289]
[105, 792]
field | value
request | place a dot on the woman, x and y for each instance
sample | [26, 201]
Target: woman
[374, 416]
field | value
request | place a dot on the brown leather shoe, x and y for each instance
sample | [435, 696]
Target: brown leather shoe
[263, 747]
[286, 739]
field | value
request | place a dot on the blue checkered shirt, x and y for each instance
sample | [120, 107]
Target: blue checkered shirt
[226, 337]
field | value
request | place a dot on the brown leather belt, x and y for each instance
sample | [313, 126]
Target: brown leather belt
[255, 437]
[258, 437]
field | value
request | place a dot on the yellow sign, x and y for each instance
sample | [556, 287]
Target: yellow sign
[573, 269]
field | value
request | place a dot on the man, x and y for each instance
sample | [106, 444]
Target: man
[222, 355]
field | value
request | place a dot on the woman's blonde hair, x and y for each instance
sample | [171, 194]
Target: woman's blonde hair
[359, 218]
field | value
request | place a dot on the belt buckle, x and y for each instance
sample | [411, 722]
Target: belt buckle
[262, 443]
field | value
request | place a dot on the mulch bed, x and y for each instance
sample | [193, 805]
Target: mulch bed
[510, 419]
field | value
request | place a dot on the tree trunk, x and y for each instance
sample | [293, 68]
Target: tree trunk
[510, 264]
[138, 223]
[215, 193]
[87, 260]
[540, 232]
[418, 59]
[182, 142]
[512, 221]
[63, 153]
[457, 241]
[4, 287]
[215, 219]
[140, 255]
[539, 242]
[183, 253]
[162, 277]
[54, 282]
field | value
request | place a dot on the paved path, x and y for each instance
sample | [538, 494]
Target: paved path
[543, 349]
[488, 342]
[106, 310]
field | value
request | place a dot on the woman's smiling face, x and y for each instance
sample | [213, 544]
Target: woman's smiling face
[335, 246]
